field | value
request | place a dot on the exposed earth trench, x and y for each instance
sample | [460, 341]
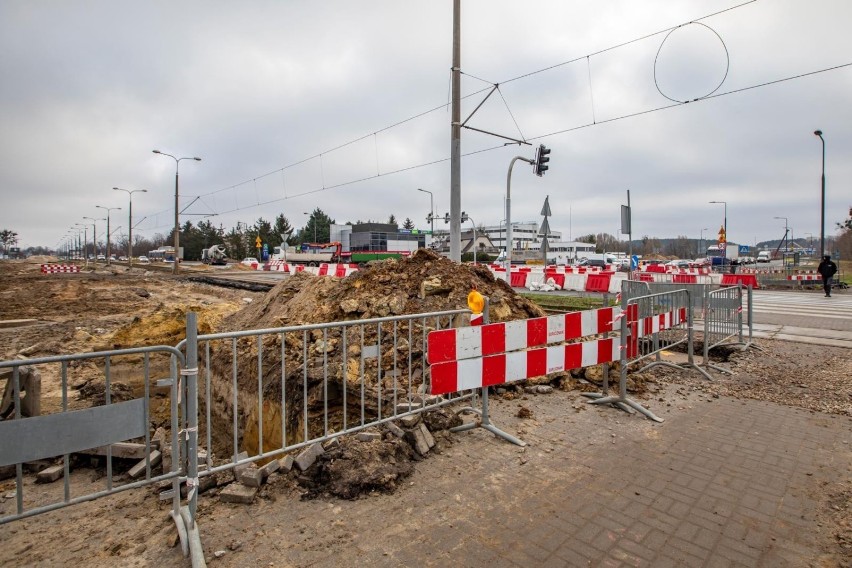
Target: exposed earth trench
[116, 308]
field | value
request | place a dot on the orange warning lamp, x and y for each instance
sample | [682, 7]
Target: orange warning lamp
[475, 301]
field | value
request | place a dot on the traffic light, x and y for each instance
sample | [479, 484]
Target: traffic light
[541, 159]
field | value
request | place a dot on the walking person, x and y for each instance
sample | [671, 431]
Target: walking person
[827, 269]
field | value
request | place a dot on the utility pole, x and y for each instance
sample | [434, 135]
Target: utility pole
[455, 140]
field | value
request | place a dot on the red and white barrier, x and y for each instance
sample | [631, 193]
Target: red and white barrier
[501, 368]
[59, 268]
[804, 277]
[502, 352]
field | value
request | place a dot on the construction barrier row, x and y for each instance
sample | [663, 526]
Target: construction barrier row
[59, 268]
[324, 269]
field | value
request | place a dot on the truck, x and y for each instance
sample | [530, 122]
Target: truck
[214, 255]
[314, 254]
[718, 256]
[311, 254]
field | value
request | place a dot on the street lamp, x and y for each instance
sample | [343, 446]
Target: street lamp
[315, 225]
[130, 193]
[725, 225]
[85, 241]
[108, 209]
[822, 205]
[786, 240]
[177, 205]
[701, 242]
[94, 235]
[431, 210]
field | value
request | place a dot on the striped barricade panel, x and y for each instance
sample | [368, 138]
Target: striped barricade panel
[684, 279]
[323, 269]
[477, 372]
[660, 322]
[804, 277]
[340, 270]
[59, 268]
[480, 341]
[491, 354]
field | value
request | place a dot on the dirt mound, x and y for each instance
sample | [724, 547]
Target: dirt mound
[423, 283]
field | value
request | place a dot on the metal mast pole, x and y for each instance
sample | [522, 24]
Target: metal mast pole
[455, 140]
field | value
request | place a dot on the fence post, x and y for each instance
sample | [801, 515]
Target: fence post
[190, 372]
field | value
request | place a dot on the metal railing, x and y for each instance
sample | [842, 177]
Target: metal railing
[95, 429]
[282, 389]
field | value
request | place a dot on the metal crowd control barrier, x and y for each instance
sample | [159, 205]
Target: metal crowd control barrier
[307, 384]
[723, 321]
[653, 323]
[96, 430]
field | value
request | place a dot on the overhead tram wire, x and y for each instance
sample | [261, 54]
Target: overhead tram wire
[443, 105]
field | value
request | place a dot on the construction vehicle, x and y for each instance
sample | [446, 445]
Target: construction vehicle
[314, 254]
[311, 254]
[214, 255]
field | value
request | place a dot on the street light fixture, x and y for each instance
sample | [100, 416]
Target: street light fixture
[822, 205]
[130, 193]
[108, 209]
[177, 205]
[703, 249]
[431, 211]
[725, 224]
[94, 235]
[786, 239]
[315, 225]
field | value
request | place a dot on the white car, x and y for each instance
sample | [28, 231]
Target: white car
[249, 261]
[143, 260]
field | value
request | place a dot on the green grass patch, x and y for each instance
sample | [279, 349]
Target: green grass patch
[566, 303]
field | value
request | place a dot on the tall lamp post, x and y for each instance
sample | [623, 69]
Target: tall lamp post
[725, 224]
[177, 205]
[130, 193]
[315, 225]
[822, 203]
[108, 209]
[94, 236]
[431, 210]
[85, 241]
[701, 242]
[786, 240]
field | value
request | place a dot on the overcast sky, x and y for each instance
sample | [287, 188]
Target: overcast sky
[266, 93]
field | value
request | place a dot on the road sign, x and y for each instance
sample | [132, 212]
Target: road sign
[744, 249]
[257, 242]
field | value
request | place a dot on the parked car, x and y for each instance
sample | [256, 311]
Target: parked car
[249, 261]
[592, 262]
[143, 260]
[122, 258]
[101, 257]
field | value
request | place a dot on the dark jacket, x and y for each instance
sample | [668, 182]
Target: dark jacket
[827, 268]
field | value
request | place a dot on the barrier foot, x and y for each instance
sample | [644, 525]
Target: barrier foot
[630, 402]
[181, 529]
[619, 403]
[485, 422]
[704, 373]
[196, 551]
[720, 369]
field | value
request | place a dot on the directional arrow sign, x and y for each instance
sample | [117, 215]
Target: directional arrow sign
[546, 209]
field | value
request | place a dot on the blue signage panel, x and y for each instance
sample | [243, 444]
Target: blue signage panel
[743, 249]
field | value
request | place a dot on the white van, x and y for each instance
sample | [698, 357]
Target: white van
[764, 256]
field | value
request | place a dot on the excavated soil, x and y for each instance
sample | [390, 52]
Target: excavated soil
[421, 284]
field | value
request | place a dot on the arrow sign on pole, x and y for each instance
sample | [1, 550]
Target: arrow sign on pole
[546, 209]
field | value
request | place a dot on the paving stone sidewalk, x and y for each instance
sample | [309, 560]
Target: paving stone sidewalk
[722, 482]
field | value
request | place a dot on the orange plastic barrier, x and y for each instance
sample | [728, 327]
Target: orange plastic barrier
[744, 279]
[646, 277]
[340, 271]
[519, 279]
[598, 282]
[684, 279]
[558, 279]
